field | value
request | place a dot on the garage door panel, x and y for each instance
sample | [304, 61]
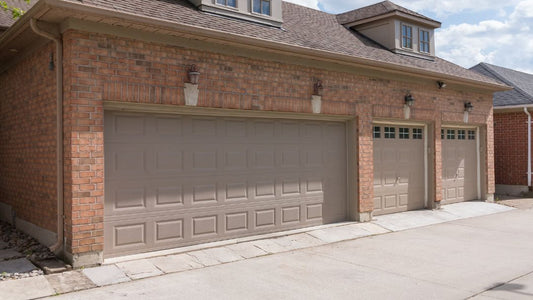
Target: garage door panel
[459, 167]
[398, 169]
[249, 176]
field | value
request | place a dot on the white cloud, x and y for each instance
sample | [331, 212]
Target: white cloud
[507, 43]
[307, 3]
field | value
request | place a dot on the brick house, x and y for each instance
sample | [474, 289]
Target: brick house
[129, 127]
[512, 129]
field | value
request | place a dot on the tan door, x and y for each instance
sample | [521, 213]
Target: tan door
[459, 165]
[180, 180]
[398, 168]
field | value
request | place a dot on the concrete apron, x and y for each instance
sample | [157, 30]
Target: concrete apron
[165, 262]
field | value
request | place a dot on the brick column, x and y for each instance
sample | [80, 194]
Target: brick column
[365, 156]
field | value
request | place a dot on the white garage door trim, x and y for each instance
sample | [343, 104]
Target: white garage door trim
[478, 152]
[419, 124]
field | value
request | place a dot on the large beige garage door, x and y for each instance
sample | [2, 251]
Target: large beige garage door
[180, 180]
[459, 165]
[398, 168]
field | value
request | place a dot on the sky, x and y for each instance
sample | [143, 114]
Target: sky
[498, 32]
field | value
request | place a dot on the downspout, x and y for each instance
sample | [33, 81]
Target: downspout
[528, 148]
[57, 248]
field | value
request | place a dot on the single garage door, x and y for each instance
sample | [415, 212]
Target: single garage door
[180, 180]
[398, 168]
[459, 165]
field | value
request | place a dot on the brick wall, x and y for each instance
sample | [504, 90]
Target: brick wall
[101, 67]
[28, 139]
[510, 147]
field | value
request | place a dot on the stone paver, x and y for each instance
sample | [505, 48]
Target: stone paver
[223, 254]
[141, 268]
[21, 265]
[71, 281]
[175, 263]
[105, 275]
[26, 288]
[298, 241]
[341, 233]
[247, 250]
[9, 254]
[268, 245]
[204, 258]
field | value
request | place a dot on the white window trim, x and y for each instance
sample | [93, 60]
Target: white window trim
[420, 29]
[412, 37]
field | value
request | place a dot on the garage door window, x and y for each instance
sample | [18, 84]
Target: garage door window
[461, 134]
[390, 132]
[450, 134]
[377, 132]
[471, 135]
[442, 134]
[417, 133]
[404, 133]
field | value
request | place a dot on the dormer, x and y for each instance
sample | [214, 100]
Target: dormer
[396, 28]
[266, 12]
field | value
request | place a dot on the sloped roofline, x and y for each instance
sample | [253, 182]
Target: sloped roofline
[496, 74]
[42, 6]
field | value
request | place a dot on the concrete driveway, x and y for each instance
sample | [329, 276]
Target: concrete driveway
[489, 257]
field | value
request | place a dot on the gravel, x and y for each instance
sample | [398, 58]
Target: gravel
[29, 247]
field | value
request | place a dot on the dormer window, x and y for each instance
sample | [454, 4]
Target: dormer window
[262, 7]
[424, 41]
[407, 36]
[231, 3]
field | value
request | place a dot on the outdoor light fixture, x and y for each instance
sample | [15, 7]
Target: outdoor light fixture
[409, 100]
[468, 106]
[318, 88]
[193, 74]
[51, 63]
[441, 84]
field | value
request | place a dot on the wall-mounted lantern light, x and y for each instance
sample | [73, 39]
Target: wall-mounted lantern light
[468, 106]
[409, 100]
[318, 88]
[193, 74]
[441, 84]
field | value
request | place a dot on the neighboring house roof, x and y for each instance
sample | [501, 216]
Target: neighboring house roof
[303, 29]
[522, 83]
[375, 10]
[6, 18]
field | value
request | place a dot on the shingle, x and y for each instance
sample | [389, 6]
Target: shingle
[522, 83]
[6, 18]
[302, 27]
[374, 10]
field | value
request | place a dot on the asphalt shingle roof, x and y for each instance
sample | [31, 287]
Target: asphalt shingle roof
[374, 10]
[522, 83]
[302, 27]
[6, 19]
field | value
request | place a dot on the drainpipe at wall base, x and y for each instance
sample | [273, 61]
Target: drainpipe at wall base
[528, 148]
[58, 247]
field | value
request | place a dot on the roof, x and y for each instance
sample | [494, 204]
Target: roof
[522, 83]
[6, 19]
[378, 9]
[304, 30]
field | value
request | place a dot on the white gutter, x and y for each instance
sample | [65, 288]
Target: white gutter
[528, 147]
[58, 246]
[513, 106]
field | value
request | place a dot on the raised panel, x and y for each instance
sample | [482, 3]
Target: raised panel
[290, 158]
[206, 192]
[130, 198]
[204, 127]
[236, 128]
[390, 201]
[314, 185]
[168, 195]
[169, 160]
[314, 211]
[291, 130]
[264, 159]
[290, 214]
[205, 160]
[129, 125]
[169, 126]
[264, 129]
[169, 230]
[290, 186]
[403, 198]
[377, 203]
[235, 160]
[236, 191]
[204, 225]
[265, 218]
[313, 158]
[130, 234]
[129, 161]
[264, 188]
[237, 221]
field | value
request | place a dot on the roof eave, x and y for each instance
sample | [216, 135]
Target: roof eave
[243, 41]
[399, 14]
